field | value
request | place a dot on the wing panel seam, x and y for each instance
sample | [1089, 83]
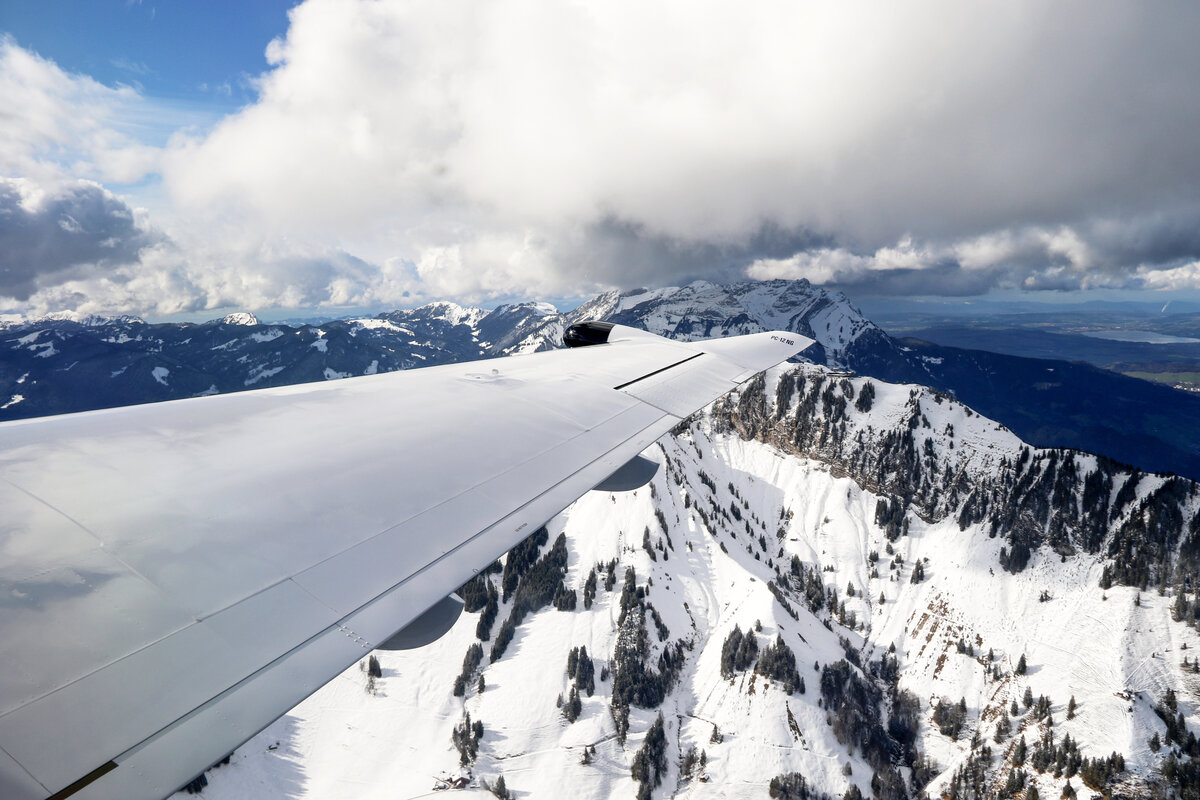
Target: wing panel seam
[657, 371]
[93, 776]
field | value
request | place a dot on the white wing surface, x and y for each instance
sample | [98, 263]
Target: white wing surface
[176, 576]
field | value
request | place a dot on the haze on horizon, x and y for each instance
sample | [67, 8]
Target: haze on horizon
[354, 153]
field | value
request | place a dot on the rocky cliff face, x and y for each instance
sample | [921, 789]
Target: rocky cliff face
[1068, 501]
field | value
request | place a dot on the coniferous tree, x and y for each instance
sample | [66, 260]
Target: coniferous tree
[465, 737]
[1019, 752]
[620, 714]
[950, 717]
[573, 706]
[491, 605]
[1003, 727]
[778, 662]
[589, 589]
[470, 664]
[650, 761]
[688, 765]
[793, 786]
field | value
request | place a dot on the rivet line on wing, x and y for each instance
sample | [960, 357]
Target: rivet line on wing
[354, 637]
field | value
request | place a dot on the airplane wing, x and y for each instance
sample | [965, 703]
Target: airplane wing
[176, 576]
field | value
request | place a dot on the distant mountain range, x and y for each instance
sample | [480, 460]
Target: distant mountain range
[57, 366]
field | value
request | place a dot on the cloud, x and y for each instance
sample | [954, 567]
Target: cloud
[138, 68]
[1157, 251]
[48, 239]
[419, 148]
[513, 144]
[62, 127]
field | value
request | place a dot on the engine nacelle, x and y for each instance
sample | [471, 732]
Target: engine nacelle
[634, 474]
[427, 628]
[583, 334]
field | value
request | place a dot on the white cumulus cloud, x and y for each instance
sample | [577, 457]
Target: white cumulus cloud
[408, 148]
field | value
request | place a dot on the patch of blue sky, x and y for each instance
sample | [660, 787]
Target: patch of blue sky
[191, 57]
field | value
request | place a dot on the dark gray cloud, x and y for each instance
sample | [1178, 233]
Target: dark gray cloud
[78, 231]
[1159, 250]
[626, 254]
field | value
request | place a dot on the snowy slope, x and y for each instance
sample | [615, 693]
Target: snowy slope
[702, 310]
[748, 468]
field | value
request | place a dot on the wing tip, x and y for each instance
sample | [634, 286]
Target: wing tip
[759, 351]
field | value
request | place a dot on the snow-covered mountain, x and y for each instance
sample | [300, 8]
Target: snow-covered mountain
[59, 365]
[834, 587]
[52, 366]
[703, 310]
[1048, 403]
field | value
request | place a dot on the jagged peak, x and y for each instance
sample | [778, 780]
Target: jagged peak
[97, 320]
[452, 312]
[239, 318]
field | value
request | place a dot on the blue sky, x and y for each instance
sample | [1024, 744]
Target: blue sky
[180, 158]
[205, 52]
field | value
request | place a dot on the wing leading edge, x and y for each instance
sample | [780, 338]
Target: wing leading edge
[177, 576]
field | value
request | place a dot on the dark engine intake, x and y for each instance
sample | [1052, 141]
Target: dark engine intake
[583, 334]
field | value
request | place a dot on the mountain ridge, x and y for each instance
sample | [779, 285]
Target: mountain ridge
[908, 635]
[59, 366]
